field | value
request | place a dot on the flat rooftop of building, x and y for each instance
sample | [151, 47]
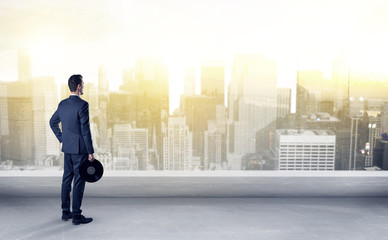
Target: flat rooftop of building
[304, 132]
[252, 205]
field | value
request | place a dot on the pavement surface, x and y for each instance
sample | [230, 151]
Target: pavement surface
[200, 208]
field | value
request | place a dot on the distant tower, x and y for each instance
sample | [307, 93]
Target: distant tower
[44, 104]
[213, 82]
[24, 65]
[129, 84]
[283, 102]
[190, 81]
[103, 95]
[19, 145]
[177, 144]
[103, 85]
[341, 76]
[3, 114]
[253, 100]
[3, 110]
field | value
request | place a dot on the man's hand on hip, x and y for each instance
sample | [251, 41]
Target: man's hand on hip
[91, 157]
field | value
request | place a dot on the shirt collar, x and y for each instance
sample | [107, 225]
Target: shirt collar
[71, 95]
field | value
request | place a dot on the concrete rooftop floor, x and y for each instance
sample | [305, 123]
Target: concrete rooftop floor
[171, 207]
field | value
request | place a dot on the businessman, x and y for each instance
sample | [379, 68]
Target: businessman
[77, 145]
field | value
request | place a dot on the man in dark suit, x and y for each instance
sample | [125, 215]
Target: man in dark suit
[76, 140]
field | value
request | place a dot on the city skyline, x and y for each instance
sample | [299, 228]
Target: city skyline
[188, 86]
[132, 128]
[357, 77]
[75, 38]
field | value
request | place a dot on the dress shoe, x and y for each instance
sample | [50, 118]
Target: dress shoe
[66, 216]
[81, 219]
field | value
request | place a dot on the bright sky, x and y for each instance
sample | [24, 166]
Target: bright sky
[73, 36]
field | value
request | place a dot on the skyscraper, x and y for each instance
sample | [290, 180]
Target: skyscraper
[152, 103]
[91, 96]
[103, 84]
[252, 99]
[103, 99]
[151, 76]
[129, 84]
[3, 114]
[311, 97]
[44, 104]
[130, 147]
[3, 110]
[24, 65]
[283, 102]
[384, 118]
[340, 76]
[215, 141]
[178, 144]
[374, 132]
[213, 82]
[198, 110]
[18, 146]
[190, 77]
[65, 91]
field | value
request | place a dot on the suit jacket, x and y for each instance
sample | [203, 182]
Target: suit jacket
[75, 137]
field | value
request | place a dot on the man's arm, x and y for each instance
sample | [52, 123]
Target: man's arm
[85, 128]
[54, 124]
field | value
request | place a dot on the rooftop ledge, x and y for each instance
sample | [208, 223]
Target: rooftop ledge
[224, 184]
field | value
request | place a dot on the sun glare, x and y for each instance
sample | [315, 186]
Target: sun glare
[46, 55]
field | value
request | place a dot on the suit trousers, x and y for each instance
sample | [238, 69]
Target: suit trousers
[71, 170]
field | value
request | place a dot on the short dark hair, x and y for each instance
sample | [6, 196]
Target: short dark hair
[74, 80]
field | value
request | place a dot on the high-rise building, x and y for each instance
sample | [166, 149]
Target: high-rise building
[340, 76]
[305, 150]
[283, 102]
[128, 75]
[213, 82]
[124, 157]
[374, 132]
[103, 84]
[65, 91]
[103, 99]
[214, 148]
[384, 118]
[152, 104]
[178, 144]
[198, 110]
[130, 147]
[18, 146]
[380, 158]
[252, 100]
[24, 65]
[121, 108]
[311, 96]
[129, 84]
[151, 76]
[3, 110]
[44, 104]
[91, 96]
[3, 114]
[215, 141]
[190, 77]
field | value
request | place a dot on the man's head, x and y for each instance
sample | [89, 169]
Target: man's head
[76, 85]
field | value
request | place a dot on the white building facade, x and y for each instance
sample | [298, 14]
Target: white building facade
[129, 146]
[177, 145]
[305, 150]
